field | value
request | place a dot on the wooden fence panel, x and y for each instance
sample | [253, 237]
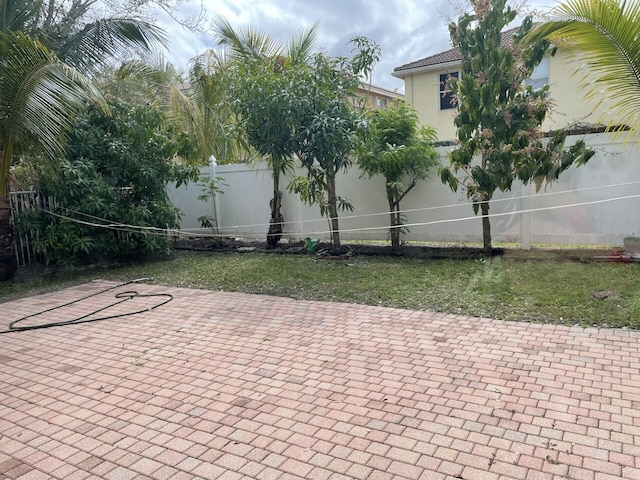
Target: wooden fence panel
[20, 202]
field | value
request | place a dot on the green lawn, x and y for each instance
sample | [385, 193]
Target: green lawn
[538, 288]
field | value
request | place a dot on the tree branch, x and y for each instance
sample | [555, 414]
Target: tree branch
[411, 185]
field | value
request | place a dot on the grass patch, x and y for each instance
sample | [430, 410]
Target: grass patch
[517, 287]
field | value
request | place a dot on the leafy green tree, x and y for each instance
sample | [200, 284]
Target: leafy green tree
[115, 173]
[498, 116]
[396, 147]
[266, 90]
[328, 134]
[293, 102]
[603, 34]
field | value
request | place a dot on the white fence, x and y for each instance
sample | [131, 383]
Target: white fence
[587, 205]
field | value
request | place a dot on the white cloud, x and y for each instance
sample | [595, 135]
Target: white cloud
[407, 30]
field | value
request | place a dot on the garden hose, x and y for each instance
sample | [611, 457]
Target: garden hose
[120, 297]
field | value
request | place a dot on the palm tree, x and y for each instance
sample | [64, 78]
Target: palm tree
[604, 34]
[257, 50]
[198, 103]
[213, 122]
[39, 95]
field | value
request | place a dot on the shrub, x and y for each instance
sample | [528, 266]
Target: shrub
[115, 173]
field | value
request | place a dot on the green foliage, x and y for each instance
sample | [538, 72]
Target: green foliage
[202, 107]
[498, 116]
[312, 193]
[210, 187]
[367, 55]
[213, 121]
[264, 85]
[296, 104]
[266, 99]
[395, 147]
[329, 132]
[39, 95]
[116, 172]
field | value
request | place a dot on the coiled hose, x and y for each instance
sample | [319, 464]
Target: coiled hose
[120, 297]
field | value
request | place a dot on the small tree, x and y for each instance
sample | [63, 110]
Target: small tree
[295, 104]
[395, 147]
[265, 87]
[210, 188]
[330, 127]
[267, 104]
[499, 117]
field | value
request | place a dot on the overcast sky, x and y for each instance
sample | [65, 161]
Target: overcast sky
[407, 30]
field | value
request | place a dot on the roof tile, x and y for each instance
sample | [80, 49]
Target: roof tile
[451, 55]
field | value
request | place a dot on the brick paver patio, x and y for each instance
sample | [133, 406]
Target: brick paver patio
[230, 386]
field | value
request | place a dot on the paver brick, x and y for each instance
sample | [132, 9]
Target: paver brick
[271, 388]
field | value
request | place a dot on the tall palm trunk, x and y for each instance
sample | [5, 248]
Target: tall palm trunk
[8, 262]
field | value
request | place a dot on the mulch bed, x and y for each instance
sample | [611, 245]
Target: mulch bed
[229, 244]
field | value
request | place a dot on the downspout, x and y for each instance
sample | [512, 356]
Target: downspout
[412, 98]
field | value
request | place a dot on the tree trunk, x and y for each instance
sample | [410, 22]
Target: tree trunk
[276, 223]
[486, 226]
[394, 232]
[394, 199]
[332, 199]
[8, 262]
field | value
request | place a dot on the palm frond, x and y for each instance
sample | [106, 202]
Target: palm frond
[303, 43]
[215, 124]
[604, 35]
[211, 61]
[39, 97]
[247, 42]
[153, 79]
[19, 15]
[102, 40]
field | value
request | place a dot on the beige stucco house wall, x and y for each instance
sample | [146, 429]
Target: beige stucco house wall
[571, 105]
[422, 91]
[564, 74]
[378, 97]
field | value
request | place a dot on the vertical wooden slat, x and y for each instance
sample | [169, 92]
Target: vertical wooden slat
[21, 201]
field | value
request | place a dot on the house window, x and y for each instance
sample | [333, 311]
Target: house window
[540, 75]
[446, 97]
[381, 103]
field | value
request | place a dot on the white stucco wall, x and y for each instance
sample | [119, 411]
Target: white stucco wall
[243, 209]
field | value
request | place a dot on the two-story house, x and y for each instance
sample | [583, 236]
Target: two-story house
[425, 89]
[371, 96]
[378, 97]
